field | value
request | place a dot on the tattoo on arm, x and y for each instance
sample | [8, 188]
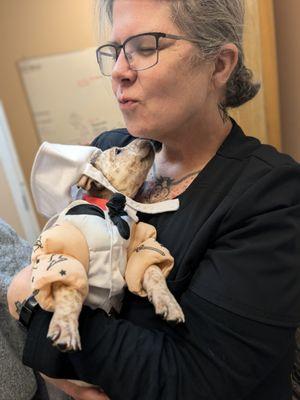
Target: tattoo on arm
[19, 305]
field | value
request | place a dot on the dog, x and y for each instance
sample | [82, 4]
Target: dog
[63, 260]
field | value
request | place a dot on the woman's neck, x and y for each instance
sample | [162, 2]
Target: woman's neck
[190, 153]
[178, 164]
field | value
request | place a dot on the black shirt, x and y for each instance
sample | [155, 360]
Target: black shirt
[236, 244]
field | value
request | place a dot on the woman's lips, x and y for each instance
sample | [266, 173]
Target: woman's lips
[127, 104]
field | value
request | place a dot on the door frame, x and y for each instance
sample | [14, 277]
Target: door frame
[16, 182]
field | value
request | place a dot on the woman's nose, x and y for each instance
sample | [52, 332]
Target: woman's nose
[122, 70]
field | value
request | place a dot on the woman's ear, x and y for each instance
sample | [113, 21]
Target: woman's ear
[225, 63]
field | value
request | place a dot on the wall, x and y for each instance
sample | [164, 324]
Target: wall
[260, 117]
[36, 28]
[42, 27]
[287, 26]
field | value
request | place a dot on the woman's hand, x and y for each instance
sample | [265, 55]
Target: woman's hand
[75, 391]
[88, 393]
[19, 290]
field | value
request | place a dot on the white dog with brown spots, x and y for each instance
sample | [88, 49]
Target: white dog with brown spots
[69, 261]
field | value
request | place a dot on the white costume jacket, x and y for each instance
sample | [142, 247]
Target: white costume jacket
[85, 246]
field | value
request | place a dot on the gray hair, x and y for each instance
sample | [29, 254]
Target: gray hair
[213, 23]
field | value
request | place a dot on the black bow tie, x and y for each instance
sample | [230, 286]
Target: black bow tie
[116, 207]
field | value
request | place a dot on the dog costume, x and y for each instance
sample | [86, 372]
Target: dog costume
[92, 247]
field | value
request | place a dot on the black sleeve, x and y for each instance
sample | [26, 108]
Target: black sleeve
[252, 265]
[215, 355]
[108, 139]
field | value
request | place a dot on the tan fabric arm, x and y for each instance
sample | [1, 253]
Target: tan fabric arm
[52, 268]
[62, 238]
[60, 254]
[148, 253]
[140, 232]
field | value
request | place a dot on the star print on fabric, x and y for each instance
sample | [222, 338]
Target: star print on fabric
[62, 272]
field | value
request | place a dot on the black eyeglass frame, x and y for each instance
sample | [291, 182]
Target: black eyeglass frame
[157, 36]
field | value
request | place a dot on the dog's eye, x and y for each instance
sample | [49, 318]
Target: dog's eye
[118, 151]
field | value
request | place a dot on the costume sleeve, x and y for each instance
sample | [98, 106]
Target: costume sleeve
[218, 353]
[53, 268]
[252, 265]
[144, 251]
[60, 254]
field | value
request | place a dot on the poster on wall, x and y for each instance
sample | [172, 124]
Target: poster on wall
[71, 102]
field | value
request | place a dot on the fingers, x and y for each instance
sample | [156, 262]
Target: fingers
[90, 394]
[77, 392]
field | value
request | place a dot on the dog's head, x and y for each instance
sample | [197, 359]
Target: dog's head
[126, 168]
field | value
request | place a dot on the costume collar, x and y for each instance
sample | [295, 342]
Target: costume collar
[101, 203]
[153, 208]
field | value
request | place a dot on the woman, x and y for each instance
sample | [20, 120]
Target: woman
[236, 235]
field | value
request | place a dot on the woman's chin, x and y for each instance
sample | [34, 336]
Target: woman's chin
[142, 132]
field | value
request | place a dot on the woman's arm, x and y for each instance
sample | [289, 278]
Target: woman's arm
[216, 353]
[18, 290]
[75, 391]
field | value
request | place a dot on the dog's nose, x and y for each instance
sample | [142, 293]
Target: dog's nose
[149, 143]
[142, 144]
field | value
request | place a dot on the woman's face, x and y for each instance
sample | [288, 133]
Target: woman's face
[173, 96]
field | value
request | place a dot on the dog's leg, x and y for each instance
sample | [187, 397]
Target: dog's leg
[158, 293]
[63, 328]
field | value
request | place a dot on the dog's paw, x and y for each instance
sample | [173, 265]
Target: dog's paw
[63, 333]
[166, 305]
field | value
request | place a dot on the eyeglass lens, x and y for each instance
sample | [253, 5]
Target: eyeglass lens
[140, 51]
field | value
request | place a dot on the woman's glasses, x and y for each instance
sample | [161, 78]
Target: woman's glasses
[141, 51]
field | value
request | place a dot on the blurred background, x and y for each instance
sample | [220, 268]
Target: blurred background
[51, 88]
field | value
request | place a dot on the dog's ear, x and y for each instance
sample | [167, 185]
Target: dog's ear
[85, 183]
[95, 157]
[89, 184]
